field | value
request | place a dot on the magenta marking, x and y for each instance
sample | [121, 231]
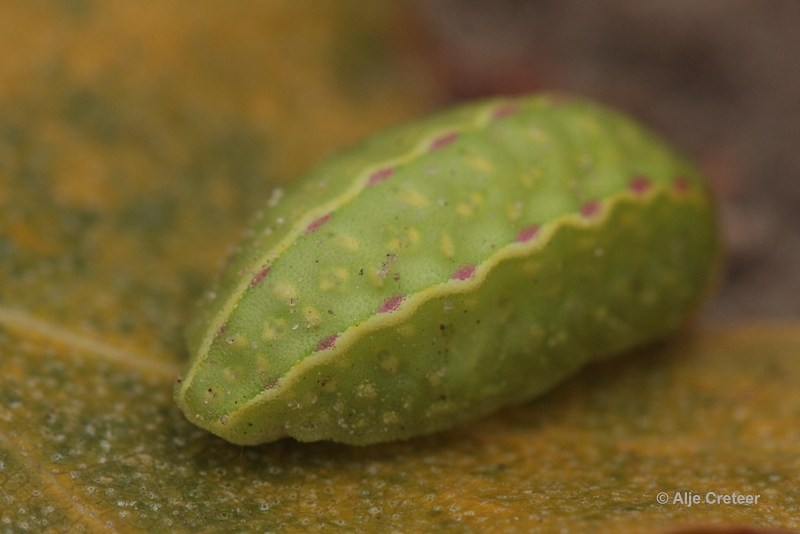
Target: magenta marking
[315, 225]
[391, 304]
[590, 209]
[443, 141]
[380, 176]
[327, 342]
[260, 275]
[505, 111]
[640, 185]
[681, 184]
[464, 272]
[527, 233]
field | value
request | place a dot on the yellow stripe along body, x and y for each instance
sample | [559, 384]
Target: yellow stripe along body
[446, 268]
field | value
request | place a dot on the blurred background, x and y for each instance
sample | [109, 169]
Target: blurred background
[135, 134]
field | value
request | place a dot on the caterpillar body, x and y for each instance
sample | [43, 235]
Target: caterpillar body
[445, 268]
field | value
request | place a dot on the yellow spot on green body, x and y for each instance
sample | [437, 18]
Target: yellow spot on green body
[312, 315]
[285, 291]
[448, 248]
[413, 198]
[346, 242]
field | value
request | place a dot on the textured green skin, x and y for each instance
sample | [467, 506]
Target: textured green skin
[626, 247]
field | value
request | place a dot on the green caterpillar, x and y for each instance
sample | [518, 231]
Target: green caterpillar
[446, 268]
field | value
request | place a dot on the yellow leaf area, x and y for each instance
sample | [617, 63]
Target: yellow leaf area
[90, 438]
[136, 138]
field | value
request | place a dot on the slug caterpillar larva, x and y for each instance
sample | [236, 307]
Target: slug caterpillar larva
[445, 268]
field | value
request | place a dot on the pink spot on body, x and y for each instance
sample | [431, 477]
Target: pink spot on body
[464, 272]
[443, 141]
[590, 209]
[327, 343]
[527, 233]
[380, 176]
[259, 276]
[505, 111]
[391, 303]
[681, 184]
[640, 185]
[315, 225]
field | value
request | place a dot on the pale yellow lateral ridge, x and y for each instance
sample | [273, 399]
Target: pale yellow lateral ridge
[481, 120]
[23, 322]
[410, 304]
